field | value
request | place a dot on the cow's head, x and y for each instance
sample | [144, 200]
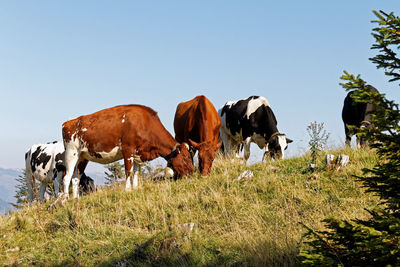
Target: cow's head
[180, 160]
[206, 154]
[276, 146]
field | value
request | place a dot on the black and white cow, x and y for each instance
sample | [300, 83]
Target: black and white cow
[251, 120]
[45, 163]
[356, 115]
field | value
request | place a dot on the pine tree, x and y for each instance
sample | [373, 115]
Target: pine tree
[21, 192]
[115, 173]
[376, 241]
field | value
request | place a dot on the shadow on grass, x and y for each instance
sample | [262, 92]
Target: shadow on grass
[169, 250]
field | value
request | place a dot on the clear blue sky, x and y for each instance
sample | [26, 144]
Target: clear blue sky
[62, 59]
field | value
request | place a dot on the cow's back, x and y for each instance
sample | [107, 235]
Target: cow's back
[247, 117]
[110, 129]
[42, 160]
[197, 119]
[184, 119]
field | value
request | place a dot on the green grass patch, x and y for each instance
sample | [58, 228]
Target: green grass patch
[236, 222]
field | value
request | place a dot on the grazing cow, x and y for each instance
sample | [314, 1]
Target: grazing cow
[356, 115]
[197, 122]
[45, 163]
[251, 120]
[130, 132]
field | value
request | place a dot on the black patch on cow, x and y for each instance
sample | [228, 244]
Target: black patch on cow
[52, 142]
[54, 173]
[39, 158]
[26, 155]
[97, 155]
[273, 143]
[34, 159]
[60, 168]
[262, 121]
[60, 157]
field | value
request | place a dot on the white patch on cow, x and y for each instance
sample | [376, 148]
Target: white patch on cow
[123, 120]
[111, 156]
[254, 104]
[84, 130]
[282, 143]
[230, 103]
[128, 184]
[73, 136]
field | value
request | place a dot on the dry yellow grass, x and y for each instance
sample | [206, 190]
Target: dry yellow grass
[236, 222]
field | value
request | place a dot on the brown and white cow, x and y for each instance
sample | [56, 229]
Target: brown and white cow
[197, 122]
[130, 132]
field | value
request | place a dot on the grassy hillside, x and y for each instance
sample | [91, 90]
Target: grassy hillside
[246, 222]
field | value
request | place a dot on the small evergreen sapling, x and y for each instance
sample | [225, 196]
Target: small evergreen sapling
[115, 173]
[318, 139]
[21, 190]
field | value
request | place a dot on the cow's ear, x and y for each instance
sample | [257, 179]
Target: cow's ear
[194, 144]
[219, 144]
[288, 140]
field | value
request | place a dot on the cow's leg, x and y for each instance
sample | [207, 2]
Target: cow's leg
[226, 143]
[363, 142]
[129, 168]
[135, 179]
[57, 182]
[246, 144]
[30, 184]
[348, 135]
[75, 180]
[128, 164]
[42, 189]
[359, 141]
[71, 159]
[267, 154]
[237, 148]
[192, 152]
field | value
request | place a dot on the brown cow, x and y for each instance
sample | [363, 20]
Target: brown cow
[197, 122]
[130, 132]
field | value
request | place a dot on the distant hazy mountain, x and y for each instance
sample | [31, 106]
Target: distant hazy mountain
[5, 206]
[7, 188]
[8, 183]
